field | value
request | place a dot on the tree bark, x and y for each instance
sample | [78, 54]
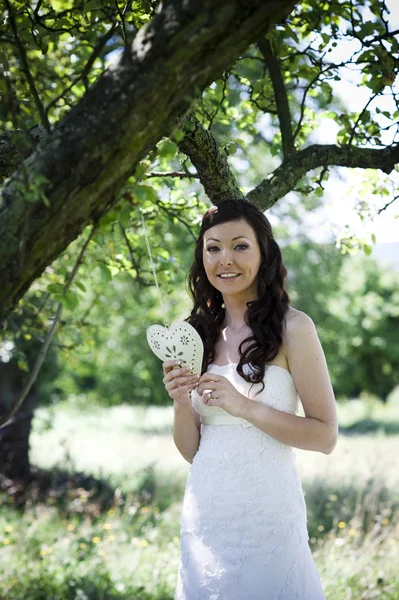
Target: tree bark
[77, 170]
[14, 436]
[210, 162]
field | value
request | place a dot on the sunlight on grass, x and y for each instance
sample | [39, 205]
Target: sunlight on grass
[130, 550]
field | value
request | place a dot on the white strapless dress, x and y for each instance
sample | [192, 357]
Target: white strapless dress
[243, 525]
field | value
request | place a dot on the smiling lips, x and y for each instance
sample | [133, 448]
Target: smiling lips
[229, 276]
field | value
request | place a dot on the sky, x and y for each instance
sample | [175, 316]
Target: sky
[343, 191]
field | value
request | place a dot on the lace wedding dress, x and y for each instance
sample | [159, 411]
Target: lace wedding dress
[243, 525]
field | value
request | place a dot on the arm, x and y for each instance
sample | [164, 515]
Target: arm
[186, 430]
[318, 430]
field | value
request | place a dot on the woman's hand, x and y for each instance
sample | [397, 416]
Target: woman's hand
[178, 381]
[224, 394]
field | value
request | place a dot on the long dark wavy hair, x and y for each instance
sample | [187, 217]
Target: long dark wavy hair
[265, 316]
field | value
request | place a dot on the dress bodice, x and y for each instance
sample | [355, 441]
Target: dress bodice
[279, 392]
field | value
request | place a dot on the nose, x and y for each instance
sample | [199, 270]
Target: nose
[225, 258]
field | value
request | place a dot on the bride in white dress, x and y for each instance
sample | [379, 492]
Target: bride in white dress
[243, 528]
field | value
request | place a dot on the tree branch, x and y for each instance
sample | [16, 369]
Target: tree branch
[210, 162]
[26, 69]
[101, 43]
[284, 179]
[280, 95]
[178, 174]
[98, 144]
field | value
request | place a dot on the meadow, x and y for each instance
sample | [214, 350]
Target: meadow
[104, 522]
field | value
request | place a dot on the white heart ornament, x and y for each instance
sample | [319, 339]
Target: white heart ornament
[180, 342]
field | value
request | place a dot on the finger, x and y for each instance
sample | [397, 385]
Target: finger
[177, 382]
[208, 400]
[168, 365]
[176, 372]
[188, 385]
[211, 377]
[181, 389]
[209, 386]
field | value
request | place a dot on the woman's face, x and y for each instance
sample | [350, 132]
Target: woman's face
[232, 247]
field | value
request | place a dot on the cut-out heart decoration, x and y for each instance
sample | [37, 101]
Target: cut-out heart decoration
[181, 341]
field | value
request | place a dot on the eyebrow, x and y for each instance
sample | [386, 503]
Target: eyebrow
[232, 239]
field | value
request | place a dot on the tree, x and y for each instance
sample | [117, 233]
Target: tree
[86, 137]
[80, 166]
[101, 123]
[353, 300]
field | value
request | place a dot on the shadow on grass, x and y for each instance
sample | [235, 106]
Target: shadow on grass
[76, 493]
[365, 426]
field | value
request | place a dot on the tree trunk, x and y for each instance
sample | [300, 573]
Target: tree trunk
[78, 169]
[14, 436]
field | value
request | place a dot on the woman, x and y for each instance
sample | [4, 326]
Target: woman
[243, 524]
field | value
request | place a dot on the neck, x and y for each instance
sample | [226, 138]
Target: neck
[235, 310]
[234, 317]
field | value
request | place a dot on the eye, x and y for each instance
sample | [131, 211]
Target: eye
[237, 246]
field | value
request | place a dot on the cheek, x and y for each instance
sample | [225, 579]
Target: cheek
[209, 263]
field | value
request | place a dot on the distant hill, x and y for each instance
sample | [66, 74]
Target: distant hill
[387, 254]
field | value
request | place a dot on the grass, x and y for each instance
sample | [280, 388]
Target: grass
[107, 526]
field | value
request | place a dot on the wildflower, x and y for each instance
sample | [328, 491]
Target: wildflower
[342, 524]
[70, 527]
[96, 539]
[339, 541]
[320, 528]
[8, 528]
[107, 526]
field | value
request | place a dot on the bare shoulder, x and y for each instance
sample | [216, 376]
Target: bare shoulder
[297, 323]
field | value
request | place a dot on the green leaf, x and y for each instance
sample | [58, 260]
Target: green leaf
[55, 288]
[80, 285]
[106, 274]
[124, 218]
[241, 143]
[45, 200]
[70, 300]
[230, 148]
[167, 149]
[98, 239]
[144, 192]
